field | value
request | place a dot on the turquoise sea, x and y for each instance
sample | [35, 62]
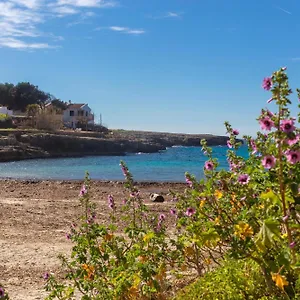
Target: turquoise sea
[168, 165]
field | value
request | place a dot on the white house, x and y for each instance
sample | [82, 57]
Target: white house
[77, 112]
[4, 110]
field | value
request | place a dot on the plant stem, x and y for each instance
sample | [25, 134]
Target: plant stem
[281, 183]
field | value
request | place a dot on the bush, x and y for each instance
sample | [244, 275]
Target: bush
[249, 213]
[5, 121]
[234, 279]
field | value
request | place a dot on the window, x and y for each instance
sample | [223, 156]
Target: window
[71, 113]
[86, 113]
[80, 113]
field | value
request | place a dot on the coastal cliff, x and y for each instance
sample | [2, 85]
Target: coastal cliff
[19, 145]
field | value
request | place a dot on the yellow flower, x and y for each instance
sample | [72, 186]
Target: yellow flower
[207, 261]
[279, 280]
[233, 197]
[90, 271]
[202, 203]
[217, 220]
[243, 230]
[218, 194]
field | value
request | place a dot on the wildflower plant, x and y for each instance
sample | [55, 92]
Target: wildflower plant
[108, 264]
[248, 213]
[251, 212]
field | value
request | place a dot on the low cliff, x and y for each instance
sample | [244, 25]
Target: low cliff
[20, 145]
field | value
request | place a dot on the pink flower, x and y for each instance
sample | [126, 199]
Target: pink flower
[235, 132]
[269, 161]
[209, 166]
[243, 178]
[293, 156]
[111, 202]
[253, 146]
[287, 126]
[83, 191]
[294, 140]
[162, 217]
[292, 245]
[190, 211]
[189, 181]
[229, 144]
[269, 113]
[266, 123]
[285, 218]
[267, 83]
[46, 276]
[173, 211]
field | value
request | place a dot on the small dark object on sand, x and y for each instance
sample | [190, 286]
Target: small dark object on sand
[156, 198]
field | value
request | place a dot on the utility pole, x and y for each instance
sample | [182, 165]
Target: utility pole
[100, 119]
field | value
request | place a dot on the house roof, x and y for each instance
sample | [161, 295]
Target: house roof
[75, 105]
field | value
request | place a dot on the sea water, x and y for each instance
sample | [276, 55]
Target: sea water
[168, 165]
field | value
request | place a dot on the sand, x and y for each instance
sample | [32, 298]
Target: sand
[34, 218]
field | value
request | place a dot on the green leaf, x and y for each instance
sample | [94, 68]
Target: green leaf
[270, 196]
[265, 237]
[211, 235]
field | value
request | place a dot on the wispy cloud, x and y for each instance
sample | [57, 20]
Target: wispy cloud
[82, 19]
[284, 10]
[168, 15]
[172, 15]
[295, 59]
[127, 30]
[20, 20]
[19, 44]
[120, 29]
[87, 3]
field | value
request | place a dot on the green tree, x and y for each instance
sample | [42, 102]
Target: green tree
[25, 93]
[6, 98]
[59, 104]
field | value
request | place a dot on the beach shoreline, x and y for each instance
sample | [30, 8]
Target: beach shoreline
[35, 215]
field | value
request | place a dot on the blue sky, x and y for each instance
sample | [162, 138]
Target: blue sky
[161, 65]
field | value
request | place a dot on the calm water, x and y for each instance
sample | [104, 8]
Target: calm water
[169, 165]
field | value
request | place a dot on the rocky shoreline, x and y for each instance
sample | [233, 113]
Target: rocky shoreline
[20, 145]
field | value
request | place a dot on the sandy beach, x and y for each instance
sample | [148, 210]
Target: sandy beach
[34, 218]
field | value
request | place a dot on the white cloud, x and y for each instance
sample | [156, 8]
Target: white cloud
[117, 28]
[82, 18]
[33, 4]
[126, 30]
[284, 10]
[64, 10]
[296, 59]
[87, 3]
[18, 44]
[20, 19]
[172, 15]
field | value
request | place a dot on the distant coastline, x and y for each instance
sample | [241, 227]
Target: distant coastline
[30, 144]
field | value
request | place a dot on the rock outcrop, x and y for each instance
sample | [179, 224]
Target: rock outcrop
[18, 145]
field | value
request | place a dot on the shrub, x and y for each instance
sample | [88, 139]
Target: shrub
[234, 279]
[249, 213]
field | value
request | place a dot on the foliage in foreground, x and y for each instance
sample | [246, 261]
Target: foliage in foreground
[235, 279]
[249, 214]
